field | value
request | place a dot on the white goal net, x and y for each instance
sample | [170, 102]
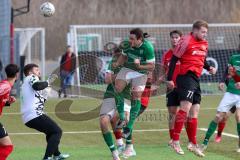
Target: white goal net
[89, 40]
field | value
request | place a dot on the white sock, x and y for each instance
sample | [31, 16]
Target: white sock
[119, 142]
[115, 153]
[130, 146]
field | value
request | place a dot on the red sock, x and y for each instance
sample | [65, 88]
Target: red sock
[171, 132]
[221, 126]
[5, 151]
[145, 97]
[118, 134]
[192, 124]
[179, 122]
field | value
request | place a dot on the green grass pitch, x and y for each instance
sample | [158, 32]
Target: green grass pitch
[83, 140]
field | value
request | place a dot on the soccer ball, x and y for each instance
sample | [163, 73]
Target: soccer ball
[47, 9]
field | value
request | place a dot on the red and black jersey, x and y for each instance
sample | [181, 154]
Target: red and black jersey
[192, 54]
[166, 61]
[5, 88]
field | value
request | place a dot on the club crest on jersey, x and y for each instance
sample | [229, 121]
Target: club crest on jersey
[199, 53]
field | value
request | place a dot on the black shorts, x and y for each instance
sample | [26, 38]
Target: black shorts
[172, 98]
[44, 124]
[3, 132]
[188, 88]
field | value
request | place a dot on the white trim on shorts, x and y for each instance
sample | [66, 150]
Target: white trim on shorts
[109, 104]
[229, 100]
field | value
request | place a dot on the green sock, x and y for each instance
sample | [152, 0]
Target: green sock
[211, 129]
[120, 105]
[238, 129]
[109, 141]
[135, 107]
[141, 110]
[129, 139]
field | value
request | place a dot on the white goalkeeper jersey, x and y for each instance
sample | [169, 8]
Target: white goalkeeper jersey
[32, 102]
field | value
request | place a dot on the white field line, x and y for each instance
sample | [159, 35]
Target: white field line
[87, 132]
[148, 110]
[225, 134]
[97, 132]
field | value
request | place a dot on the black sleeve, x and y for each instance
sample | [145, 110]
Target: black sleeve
[206, 65]
[224, 77]
[37, 86]
[172, 66]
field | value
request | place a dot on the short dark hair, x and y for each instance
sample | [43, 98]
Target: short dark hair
[199, 23]
[11, 70]
[137, 32]
[176, 32]
[27, 68]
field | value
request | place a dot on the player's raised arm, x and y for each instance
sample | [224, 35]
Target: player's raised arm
[39, 85]
[177, 54]
[209, 68]
[109, 75]
[224, 80]
[120, 61]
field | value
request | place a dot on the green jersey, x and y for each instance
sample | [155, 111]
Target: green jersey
[235, 62]
[145, 53]
[110, 88]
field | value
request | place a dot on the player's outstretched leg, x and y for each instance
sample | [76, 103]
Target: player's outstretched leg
[237, 116]
[192, 125]
[118, 135]
[221, 126]
[238, 130]
[135, 107]
[6, 146]
[53, 135]
[120, 85]
[107, 135]
[129, 150]
[179, 121]
[120, 108]
[212, 127]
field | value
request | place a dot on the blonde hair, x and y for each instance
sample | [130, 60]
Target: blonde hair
[199, 23]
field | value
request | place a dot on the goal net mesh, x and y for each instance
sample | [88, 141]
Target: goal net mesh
[89, 40]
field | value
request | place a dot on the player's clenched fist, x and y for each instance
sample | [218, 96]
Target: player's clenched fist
[231, 70]
[233, 73]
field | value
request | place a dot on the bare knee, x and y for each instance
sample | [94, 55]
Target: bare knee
[120, 85]
[5, 141]
[172, 111]
[104, 123]
[185, 106]
[219, 117]
[237, 116]
[136, 94]
[193, 113]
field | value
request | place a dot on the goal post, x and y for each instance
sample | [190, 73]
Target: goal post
[223, 41]
[30, 43]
